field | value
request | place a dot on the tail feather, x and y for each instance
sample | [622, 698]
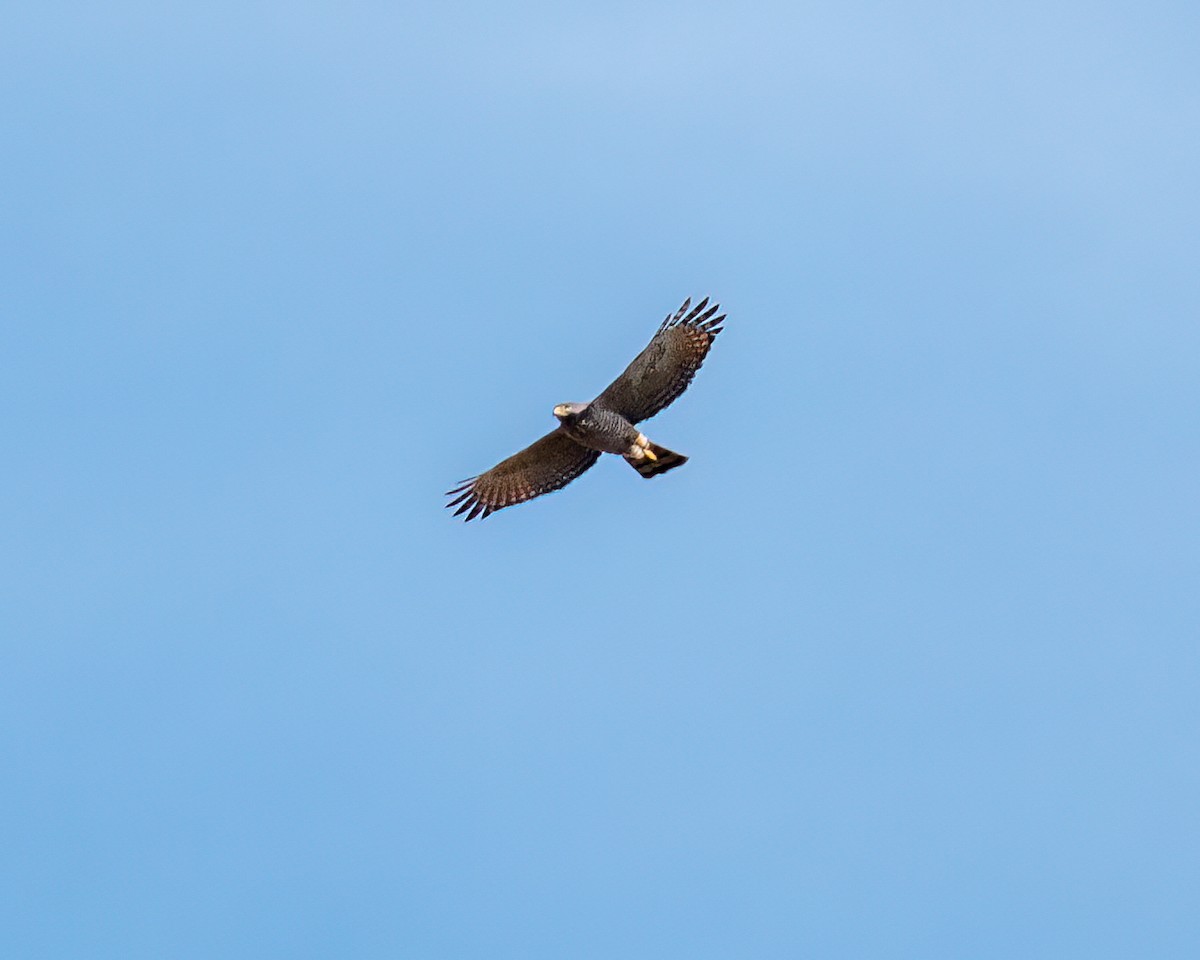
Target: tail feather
[665, 460]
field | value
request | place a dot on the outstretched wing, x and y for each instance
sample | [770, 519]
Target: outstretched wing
[544, 466]
[664, 369]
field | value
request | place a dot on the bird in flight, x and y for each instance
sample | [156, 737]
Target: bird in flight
[658, 375]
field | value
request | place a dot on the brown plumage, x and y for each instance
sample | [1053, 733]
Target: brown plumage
[662, 371]
[542, 467]
[658, 375]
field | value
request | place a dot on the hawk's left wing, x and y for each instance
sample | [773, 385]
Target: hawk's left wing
[662, 371]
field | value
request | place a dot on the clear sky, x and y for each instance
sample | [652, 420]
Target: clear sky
[903, 663]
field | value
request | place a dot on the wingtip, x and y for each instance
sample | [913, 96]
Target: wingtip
[714, 326]
[679, 314]
[689, 316]
[463, 507]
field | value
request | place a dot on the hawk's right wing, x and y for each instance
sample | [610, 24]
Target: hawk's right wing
[544, 466]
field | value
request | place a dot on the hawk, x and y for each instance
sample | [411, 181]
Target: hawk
[658, 375]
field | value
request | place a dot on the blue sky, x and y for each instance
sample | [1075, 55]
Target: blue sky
[903, 663]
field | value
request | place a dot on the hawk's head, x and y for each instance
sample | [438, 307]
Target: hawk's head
[567, 411]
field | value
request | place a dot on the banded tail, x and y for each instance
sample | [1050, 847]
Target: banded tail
[657, 460]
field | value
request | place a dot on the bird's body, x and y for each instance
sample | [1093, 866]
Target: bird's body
[597, 428]
[605, 431]
[608, 424]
